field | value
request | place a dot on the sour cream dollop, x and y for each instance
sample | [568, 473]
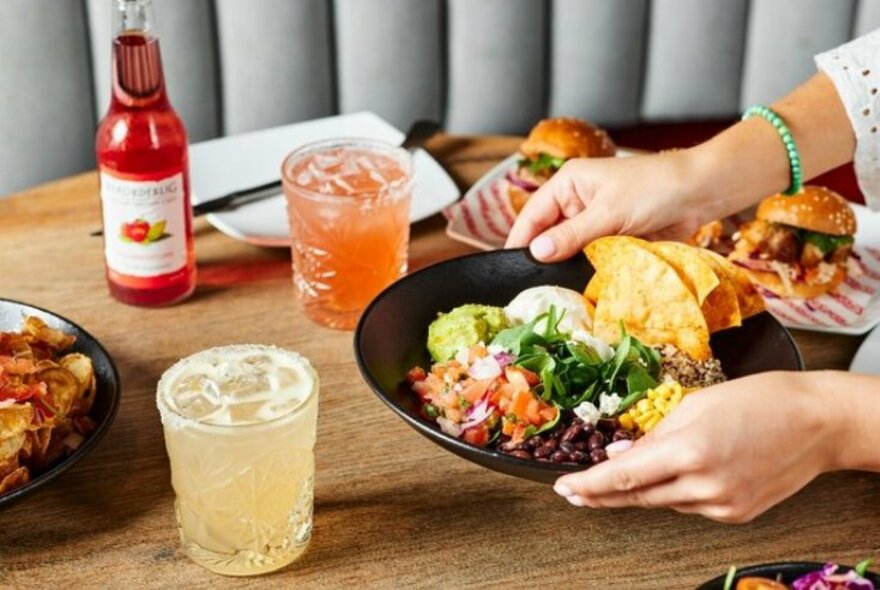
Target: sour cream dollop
[531, 303]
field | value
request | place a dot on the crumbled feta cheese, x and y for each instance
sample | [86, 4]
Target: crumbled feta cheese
[608, 404]
[600, 346]
[496, 349]
[588, 412]
[462, 356]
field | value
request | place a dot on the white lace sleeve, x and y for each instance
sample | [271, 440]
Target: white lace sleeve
[855, 70]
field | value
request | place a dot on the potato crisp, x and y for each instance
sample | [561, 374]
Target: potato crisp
[45, 398]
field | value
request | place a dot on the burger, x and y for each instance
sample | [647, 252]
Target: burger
[800, 245]
[550, 144]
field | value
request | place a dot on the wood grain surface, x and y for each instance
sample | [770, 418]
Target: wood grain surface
[392, 510]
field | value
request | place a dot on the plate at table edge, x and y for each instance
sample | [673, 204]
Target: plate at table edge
[106, 397]
[790, 570]
[531, 273]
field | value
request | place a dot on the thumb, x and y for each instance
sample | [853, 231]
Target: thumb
[569, 237]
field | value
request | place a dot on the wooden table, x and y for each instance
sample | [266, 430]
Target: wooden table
[392, 509]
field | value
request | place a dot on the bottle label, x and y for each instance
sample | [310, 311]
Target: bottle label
[144, 224]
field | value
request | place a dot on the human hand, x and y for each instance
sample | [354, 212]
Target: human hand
[729, 452]
[658, 196]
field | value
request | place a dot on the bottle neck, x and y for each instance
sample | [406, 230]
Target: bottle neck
[138, 80]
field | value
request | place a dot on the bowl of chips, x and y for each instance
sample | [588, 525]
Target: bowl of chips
[59, 393]
[664, 294]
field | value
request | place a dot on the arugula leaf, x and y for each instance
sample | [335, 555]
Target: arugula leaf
[638, 380]
[619, 358]
[513, 338]
[631, 399]
[543, 163]
[862, 567]
[583, 353]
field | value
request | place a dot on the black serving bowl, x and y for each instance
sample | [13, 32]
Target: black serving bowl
[787, 573]
[12, 313]
[391, 336]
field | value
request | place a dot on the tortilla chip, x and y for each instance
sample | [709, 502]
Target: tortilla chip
[750, 301]
[719, 304]
[647, 297]
[594, 288]
[689, 265]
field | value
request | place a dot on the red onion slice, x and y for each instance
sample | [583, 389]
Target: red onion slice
[515, 180]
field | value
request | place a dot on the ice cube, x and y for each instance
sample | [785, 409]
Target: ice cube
[196, 396]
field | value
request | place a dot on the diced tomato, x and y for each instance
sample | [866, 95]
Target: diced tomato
[416, 374]
[522, 376]
[478, 435]
[474, 390]
[507, 427]
[548, 414]
[520, 404]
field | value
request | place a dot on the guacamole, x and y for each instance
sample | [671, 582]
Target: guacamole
[463, 327]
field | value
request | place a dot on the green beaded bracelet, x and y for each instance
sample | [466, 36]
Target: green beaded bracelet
[794, 158]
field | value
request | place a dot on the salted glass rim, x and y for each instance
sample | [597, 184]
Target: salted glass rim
[401, 155]
[166, 410]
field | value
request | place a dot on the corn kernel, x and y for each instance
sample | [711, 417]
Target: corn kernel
[656, 405]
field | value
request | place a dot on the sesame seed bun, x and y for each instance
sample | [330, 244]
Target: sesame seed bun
[566, 137]
[815, 208]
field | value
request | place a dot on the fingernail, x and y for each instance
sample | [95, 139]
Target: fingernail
[618, 447]
[563, 490]
[542, 247]
[576, 501]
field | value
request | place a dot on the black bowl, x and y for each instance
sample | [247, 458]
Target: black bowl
[106, 397]
[788, 571]
[390, 338]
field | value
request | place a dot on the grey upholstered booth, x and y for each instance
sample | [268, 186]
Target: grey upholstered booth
[479, 65]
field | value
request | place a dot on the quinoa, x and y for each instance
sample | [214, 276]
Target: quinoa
[677, 366]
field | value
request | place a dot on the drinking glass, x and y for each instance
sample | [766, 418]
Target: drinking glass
[348, 202]
[239, 424]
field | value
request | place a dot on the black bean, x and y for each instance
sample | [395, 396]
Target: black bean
[608, 425]
[571, 433]
[566, 446]
[520, 454]
[543, 452]
[598, 455]
[534, 442]
[587, 430]
[597, 441]
[621, 434]
[581, 445]
[559, 457]
[579, 457]
[552, 444]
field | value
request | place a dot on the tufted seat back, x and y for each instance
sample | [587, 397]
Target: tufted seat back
[480, 66]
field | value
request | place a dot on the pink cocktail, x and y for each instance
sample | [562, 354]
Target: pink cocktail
[348, 201]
